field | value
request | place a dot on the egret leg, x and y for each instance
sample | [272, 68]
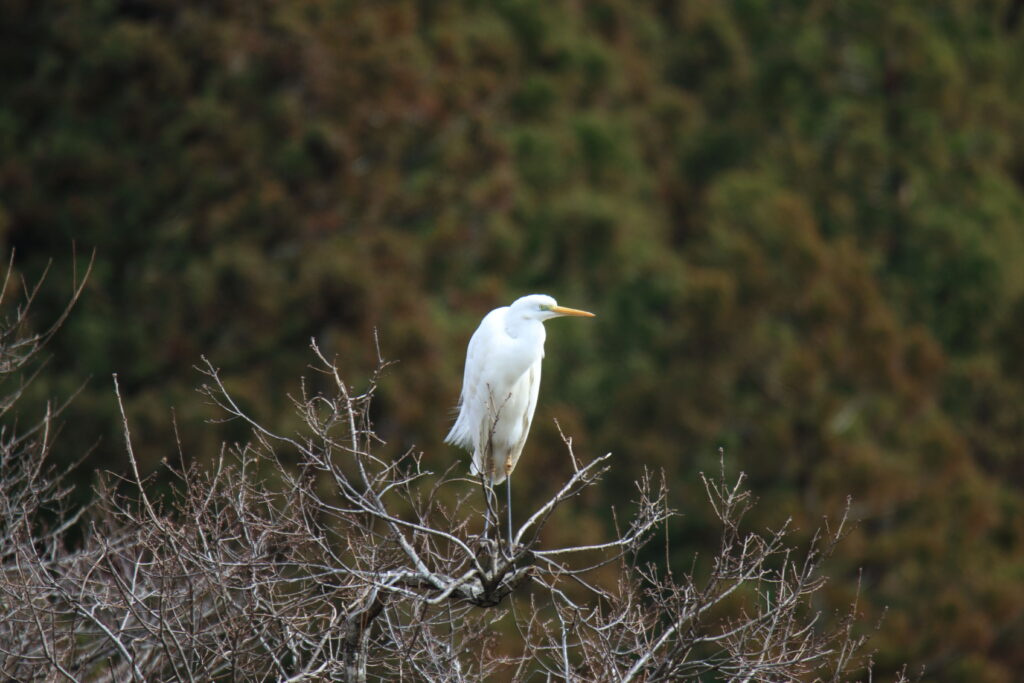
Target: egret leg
[508, 492]
[490, 508]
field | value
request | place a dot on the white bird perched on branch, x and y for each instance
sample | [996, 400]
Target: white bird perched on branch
[500, 384]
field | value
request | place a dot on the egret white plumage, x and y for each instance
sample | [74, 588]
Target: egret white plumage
[500, 385]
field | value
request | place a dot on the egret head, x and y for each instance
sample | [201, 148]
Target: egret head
[543, 307]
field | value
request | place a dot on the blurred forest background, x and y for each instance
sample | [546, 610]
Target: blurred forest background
[801, 225]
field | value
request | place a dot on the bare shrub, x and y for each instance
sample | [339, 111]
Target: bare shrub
[307, 557]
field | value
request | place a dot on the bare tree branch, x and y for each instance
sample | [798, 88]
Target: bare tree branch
[355, 567]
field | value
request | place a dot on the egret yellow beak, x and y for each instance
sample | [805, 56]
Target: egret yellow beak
[562, 310]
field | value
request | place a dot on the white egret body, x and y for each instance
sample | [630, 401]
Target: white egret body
[500, 384]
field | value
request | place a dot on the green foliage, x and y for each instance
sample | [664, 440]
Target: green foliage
[800, 226]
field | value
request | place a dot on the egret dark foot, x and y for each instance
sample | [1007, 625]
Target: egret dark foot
[510, 551]
[486, 547]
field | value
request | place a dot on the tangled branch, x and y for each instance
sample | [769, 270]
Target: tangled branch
[307, 556]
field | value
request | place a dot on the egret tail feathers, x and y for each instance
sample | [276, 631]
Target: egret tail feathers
[460, 435]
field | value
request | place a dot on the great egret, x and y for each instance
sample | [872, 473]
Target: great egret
[500, 384]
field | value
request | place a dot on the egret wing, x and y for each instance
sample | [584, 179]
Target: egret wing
[532, 385]
[472, 400]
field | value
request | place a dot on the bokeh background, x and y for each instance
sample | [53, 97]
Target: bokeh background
[801, 225]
